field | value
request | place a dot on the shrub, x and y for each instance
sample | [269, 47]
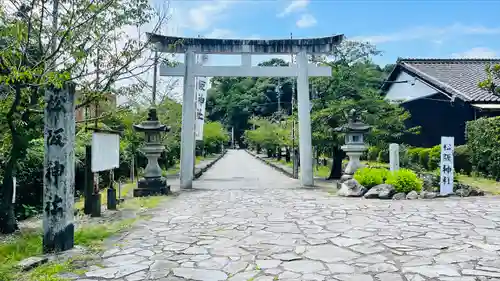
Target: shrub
[461, 160]
[434, 157]
[423, 157]
[404, 180]
[370, 177]
[414, 154]
[383, 156]
[372, 153]
[404, 158]
[483, 141]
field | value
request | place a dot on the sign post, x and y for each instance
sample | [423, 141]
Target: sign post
[447, 170]
[105, 156]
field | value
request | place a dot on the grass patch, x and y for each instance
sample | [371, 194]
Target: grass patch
[322, 171]
[93, 237]
[198, 159]
[138, 203]
[50, 272]
[487, 185]
[319, 171]
[124, 192]
[29, 243]
[174, 170]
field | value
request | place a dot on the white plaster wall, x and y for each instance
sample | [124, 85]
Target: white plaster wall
[408, 91]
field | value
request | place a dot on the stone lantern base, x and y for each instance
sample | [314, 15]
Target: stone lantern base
[354, 153]
[152, 187]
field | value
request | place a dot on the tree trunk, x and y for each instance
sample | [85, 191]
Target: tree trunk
[8, 223]
[287, 154]
[336, 170]
[278, 153]
[296, 160]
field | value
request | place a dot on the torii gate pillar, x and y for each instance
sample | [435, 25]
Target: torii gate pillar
[304, 70]
[188, 138]
[304, 110]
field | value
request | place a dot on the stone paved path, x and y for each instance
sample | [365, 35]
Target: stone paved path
[246, 221]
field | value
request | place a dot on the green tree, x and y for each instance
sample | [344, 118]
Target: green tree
[354, 85]
[234, 101]
[491, 82]
[85, 43]
[214, 136]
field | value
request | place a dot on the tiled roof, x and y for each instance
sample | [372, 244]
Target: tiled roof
[458, 77]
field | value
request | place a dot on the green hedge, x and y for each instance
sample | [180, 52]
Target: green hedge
[462, 159]
[427, 158]
[483, 141]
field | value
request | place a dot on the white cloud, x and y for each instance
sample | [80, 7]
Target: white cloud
[477, 52]
[204, 15]
[428, 33]
[295, 5]
[306, 20]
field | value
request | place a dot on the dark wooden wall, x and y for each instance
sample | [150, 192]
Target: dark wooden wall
[437, 118]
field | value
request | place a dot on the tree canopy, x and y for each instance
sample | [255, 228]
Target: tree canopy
[49, 44]
[247, 103]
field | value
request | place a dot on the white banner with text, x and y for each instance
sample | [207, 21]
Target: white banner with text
[201, 100]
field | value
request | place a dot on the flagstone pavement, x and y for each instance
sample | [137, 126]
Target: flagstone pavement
[245, 221]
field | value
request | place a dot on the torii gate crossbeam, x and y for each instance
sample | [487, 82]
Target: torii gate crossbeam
[303, 70]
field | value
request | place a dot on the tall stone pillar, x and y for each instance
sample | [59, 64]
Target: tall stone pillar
[59, 169]
[305, 143]
[394, 156]
[188, 123]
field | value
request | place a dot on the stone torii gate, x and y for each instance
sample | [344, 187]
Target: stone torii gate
[189, 70]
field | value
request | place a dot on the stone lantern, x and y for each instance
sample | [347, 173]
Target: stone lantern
[152, 183]
[354, 130]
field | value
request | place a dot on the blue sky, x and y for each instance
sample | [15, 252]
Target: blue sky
[440, 29]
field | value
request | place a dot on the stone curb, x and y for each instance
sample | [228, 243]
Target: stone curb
[200, 172]
[272, 165]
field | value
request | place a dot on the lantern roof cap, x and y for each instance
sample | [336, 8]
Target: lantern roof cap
[354, 124]
[152, 124]
[353, 127]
